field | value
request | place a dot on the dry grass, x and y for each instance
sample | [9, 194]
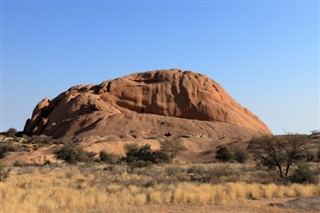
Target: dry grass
[92, 189]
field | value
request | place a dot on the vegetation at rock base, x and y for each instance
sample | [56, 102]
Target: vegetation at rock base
[142, 156]
[223, 154]
[92, 181]
[107, 157]
[72, 154]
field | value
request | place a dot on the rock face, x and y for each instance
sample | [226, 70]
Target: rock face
[145, 104]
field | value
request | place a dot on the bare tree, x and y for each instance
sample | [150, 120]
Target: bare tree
[281, 151]
[172, 147]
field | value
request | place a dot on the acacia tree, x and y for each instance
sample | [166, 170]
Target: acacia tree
[172, 147]
[280, 151]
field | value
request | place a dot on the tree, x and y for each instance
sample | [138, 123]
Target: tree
[280, 151]
[172, 147]
[223, 154]
[11, 132]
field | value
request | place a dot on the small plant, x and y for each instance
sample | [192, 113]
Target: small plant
[303, 174]
[223, 154]
[4, 173]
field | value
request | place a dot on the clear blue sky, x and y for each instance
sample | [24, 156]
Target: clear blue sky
[264, 53]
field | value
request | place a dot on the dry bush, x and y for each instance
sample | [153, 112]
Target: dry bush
[4, 173]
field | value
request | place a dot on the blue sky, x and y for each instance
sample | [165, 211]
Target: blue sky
[264, 53]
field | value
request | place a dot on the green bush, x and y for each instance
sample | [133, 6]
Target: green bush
[142, 156]
[138, 153]
[144, 153]
[73, 154]
[223, 154]
[303, 174]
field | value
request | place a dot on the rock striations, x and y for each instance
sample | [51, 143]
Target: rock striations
[147, 104]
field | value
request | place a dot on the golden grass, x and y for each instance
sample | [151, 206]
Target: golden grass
[68, 189]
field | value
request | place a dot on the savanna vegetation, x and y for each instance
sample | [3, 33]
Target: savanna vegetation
[146, 179]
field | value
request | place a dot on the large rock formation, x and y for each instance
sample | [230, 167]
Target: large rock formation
[144, 105]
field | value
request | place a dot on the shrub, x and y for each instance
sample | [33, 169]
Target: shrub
[267, 162]
[47, 140]
[7, 147]
[73, 154]
[139, 164]
[240, 156]
[310, 156]
[138, 153]
[144, 153]
[11, 132]
[107, 157]
[303, 174]
[198, 169]
[223, 154]
[173, 170]
[4, 173]
[161, 157]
